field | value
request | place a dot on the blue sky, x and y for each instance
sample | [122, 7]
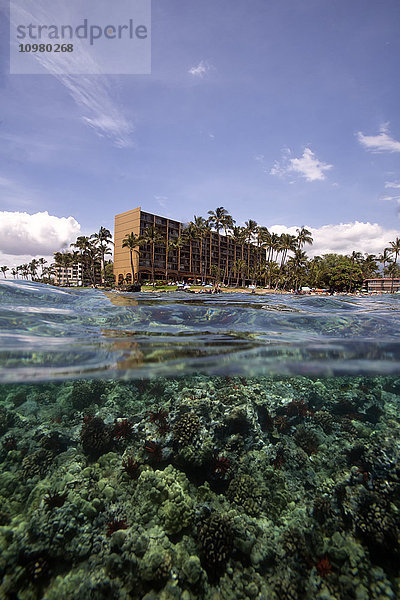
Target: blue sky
[286, 112]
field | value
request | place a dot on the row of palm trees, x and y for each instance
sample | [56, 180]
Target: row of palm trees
[27, 270]
[259, 255]
[261, 252]
[89, 251]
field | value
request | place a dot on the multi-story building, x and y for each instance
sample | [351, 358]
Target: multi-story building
[382, 284]
[74, 275]
[195, 258]
[68, 276]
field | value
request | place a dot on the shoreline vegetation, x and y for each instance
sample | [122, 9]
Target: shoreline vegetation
[262, 259]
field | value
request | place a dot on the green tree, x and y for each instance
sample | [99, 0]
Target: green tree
[4, 270]
[63, 260]
[41, 263]
[109, 279]
[369, 266]
[25, 270]
[287, 243]
[152, 237]
[228, 224]
[384, 259]
[132, 242]
[339, 273]
[239, 239]
[217, 220]
[303, 237]
[200, 229]
[33, 267]
[102, 240]
[251, 230]
[394, 249]
[297, 265]
[87, 256]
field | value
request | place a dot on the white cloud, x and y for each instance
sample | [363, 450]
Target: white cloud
[93, 94]
[37, 234]
[392, 184]
[308, 166]
[162, 200]
[379, 143]
[343, 238]
[200, 71]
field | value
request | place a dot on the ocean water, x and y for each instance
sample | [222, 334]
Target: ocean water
[176, 445]
[49, 333]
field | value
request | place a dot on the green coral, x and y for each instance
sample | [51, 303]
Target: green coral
[164, 495]
[244, 491]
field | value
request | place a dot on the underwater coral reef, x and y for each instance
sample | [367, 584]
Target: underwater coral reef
[278, 488]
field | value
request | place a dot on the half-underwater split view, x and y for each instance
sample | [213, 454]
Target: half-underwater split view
[170, 446]
[199, 300]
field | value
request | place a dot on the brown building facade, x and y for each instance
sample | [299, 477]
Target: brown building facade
[195, 258]
[383, 284]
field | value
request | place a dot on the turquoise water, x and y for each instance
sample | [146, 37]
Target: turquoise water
[178, 446]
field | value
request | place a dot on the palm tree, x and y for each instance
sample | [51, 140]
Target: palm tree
[207, 247]
[84, 246]
[25, 270]
[190, 234]
[385, 258]
[394, 249]
[356, 259]
[297, 263]
[239, 266]
[102, 239]
[216, 220]
[273, 244]
[63, 260]
[33, 265]
[132, 241]
[199, 226]
[227, 223]
[42, 262]
[239, 239]
[176, 244]
[152, 236]
[251, 230]
[263, 239]
[287, 243]
[169, 246]
[14, 272]
[303, 237]
[369, 267]
[4, 270]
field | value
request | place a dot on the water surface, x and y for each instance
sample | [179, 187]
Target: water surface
[49, 332]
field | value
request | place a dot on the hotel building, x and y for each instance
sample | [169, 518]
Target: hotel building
[383, 284]
[184, 263]
[75, 275]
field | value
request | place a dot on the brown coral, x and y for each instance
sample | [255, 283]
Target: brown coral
[186, 428]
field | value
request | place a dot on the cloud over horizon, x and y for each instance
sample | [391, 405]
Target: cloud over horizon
[343, 238]
[23, 234]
